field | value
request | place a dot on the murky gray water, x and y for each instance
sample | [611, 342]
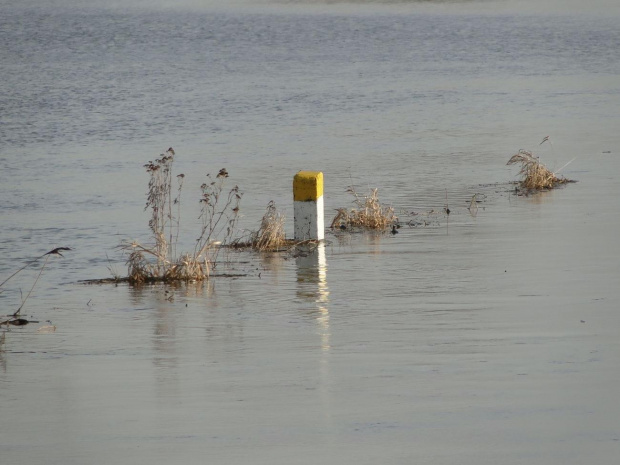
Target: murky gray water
[472, 340]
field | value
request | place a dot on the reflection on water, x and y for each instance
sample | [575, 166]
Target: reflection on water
[274, 262]
[542, 197]
[373, 239]
[312, 287]
[165, 357]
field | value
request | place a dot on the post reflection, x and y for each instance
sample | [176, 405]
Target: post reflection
[312, 287]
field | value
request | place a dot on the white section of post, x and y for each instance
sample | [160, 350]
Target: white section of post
[308, 206]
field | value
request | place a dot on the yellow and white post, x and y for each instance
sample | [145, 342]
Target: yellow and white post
[308, 206]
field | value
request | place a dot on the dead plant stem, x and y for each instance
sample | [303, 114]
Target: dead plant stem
[33, 285]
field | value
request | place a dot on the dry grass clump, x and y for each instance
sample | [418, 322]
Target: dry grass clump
[184, 268]
[536, 176]
[369, 213]
[219, 213]
[270, 236]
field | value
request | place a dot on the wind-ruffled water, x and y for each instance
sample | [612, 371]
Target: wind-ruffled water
[467, 339]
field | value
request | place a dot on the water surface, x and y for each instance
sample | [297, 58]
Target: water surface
[486, 339]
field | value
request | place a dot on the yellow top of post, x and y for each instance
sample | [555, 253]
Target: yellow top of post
[307, 186]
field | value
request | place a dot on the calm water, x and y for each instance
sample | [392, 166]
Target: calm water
[478, 340]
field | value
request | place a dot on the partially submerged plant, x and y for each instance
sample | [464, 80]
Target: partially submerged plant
[270, 236]
[368, 214]
[14, 319]
[473, 206]
[160, 201]
[536, 176]
[219, 214]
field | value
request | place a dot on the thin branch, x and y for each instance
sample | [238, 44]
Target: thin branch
[55, 251]
[47, 256]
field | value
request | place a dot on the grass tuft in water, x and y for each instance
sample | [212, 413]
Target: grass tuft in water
[535, 175]
[369, 213]
[270, 236]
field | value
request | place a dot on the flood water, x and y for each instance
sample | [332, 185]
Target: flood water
[467, 339]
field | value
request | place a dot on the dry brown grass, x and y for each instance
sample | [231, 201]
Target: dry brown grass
[369, 213]
[536, 176]
[270, 236]
[184, 268]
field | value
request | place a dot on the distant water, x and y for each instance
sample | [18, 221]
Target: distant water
[472, 340]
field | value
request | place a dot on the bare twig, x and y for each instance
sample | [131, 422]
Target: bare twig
[55, 251]
[47, 256]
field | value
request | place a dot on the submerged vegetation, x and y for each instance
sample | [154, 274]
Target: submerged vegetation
[535, 175]
[369, 213]
[219, 212]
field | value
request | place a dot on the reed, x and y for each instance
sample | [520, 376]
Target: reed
[369, 213]
[535, 175]
[219, 213]
[270, 236]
